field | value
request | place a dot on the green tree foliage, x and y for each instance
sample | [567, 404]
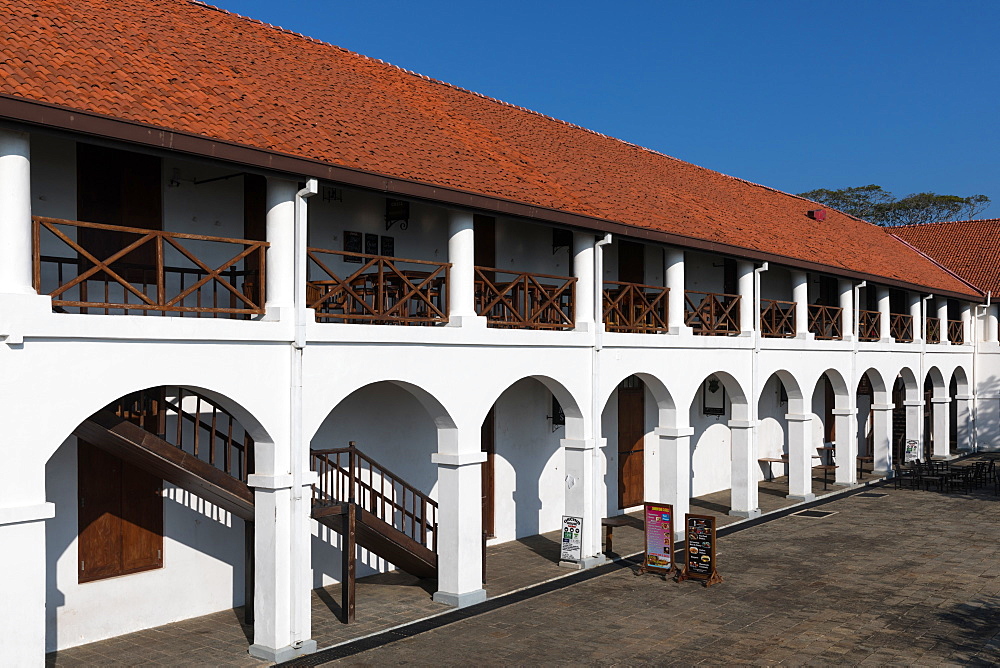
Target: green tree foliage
[879, 206]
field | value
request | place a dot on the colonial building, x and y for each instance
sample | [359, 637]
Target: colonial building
[229, 252]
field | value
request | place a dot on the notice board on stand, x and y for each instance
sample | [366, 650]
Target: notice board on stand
[658, 531]
[699, 550]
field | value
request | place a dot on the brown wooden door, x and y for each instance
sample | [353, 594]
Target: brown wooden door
[485, 245]
[631, 446]
[489, 473]
[631, 262]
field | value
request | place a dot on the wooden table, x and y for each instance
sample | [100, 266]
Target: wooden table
[772, 460]
[862, 460]
[830, 452]
[610, 523]
[825, 468]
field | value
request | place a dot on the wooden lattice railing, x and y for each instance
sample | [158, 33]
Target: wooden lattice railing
[524, 301]
[933, 330]
[635, 308]
[193, 423]
[956, 332]
[347, 475]
[901, 327]
[146, 271]
[712, 314]
[777, 319]
[826, 322]
[382, 290]
[869, 323]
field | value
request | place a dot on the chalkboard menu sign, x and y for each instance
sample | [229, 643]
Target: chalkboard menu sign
[699, 550]
[659, 532]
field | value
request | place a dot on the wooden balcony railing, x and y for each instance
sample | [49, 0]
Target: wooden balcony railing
[956, 332]
[146, 271]
[635, 308]
[777, 319]
[901, 327]
[381, 291]
[524, 301]
[869, 323]
[826, 322]
[712, 314]
[933, 330]
[349, 475]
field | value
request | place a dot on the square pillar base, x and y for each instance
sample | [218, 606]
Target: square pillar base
[585, 563]
[800, 497]
[283, 653]
[470, 321]
[460, 600]
[749, 514]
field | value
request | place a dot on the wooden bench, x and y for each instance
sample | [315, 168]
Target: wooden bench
[610, 523]
[825, 468]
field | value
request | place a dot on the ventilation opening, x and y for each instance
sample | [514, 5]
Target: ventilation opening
[816, 514]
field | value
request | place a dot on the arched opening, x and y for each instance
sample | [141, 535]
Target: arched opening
[907, 414]
[780, 397]
[960, 415]
[720, 447]
[832, 450]
[936, 414]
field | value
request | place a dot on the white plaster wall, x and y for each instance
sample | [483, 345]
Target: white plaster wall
[987, 415]
[776, 283]
[711, 450]
[701, 273]
[525, 247]
[772, 430]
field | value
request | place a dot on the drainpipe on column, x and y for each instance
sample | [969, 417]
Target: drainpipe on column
[755, 361]
[595, 374]
[977, 338]
[299, 454]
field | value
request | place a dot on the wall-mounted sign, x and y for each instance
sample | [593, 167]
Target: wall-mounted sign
[352, 244]
[713, 396]
[572, 539]
[659, 538]
[371, 244]
[699, 550]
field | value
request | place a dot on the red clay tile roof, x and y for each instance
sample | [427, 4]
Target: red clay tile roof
[970, 248]
[187, 67]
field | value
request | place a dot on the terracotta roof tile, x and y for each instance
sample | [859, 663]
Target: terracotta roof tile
[970, 248]
[189, 67]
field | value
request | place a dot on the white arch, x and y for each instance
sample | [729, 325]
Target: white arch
[665, 405]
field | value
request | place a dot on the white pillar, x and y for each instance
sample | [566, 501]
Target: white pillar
[15, 213]
[462, 277]
[992, 323]
[885, 317]
[964, 422]
[846, 446]
[22, 581]
[280, 284]
[846, 290]
[579, 496]
[916, 317]
[800, 295]
[743, 495]
[915, 424]
[583, 269]
[942, 314]
[800, 457]
[749, 320]
[967, 323]
[882, 437]
[460, 519]
[675, 298]
[940, 413]
[675, 470]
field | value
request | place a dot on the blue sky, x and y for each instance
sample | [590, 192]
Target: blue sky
[794, 95]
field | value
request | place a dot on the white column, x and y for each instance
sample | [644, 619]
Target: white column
[579, 496]
[967, 331]
[800, 457]
[583, 269]
[675, 298]
[940, 413]
[885, 317]
[749, 320]
[964, 422]
[915, 424]
[743, 495]
[882, 437]
[942, 314]
[462, 277]
[22, 581]
[280, 285]
[992, 323]
[916, 317]
[15, 213]
[675, 470]
[800, 295]
[460, 519]
[846, 444]
[846, 289]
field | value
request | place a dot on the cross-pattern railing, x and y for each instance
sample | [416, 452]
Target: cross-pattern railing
[826, 322]
[347, 475]
[524, 301]
[901, 327]
[193, 423]
[382, 290]
[933, 330]
[869, 323]
[956, 332]
[777, 319]
[146, 271]
[635, 308]
[712, 314]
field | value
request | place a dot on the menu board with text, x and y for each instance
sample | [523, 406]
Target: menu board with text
[659, 531]
[699, 550]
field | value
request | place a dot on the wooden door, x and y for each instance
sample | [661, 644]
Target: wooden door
[631, 262]
[485, 244]
[631, 442]
[489, 472]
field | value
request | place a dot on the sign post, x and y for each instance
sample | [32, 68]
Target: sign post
[658, 530]
[572, 540]
[699, 550]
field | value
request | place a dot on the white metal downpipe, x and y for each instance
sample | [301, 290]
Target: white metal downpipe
[595, 373]
[978, 335]
[755, 361]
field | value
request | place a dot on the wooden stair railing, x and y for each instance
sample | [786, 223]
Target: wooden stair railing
[933, 330]
[635, 308]
[777, 319]
[712, 314]
[901, 327]
[869, 325]
[825, 322]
